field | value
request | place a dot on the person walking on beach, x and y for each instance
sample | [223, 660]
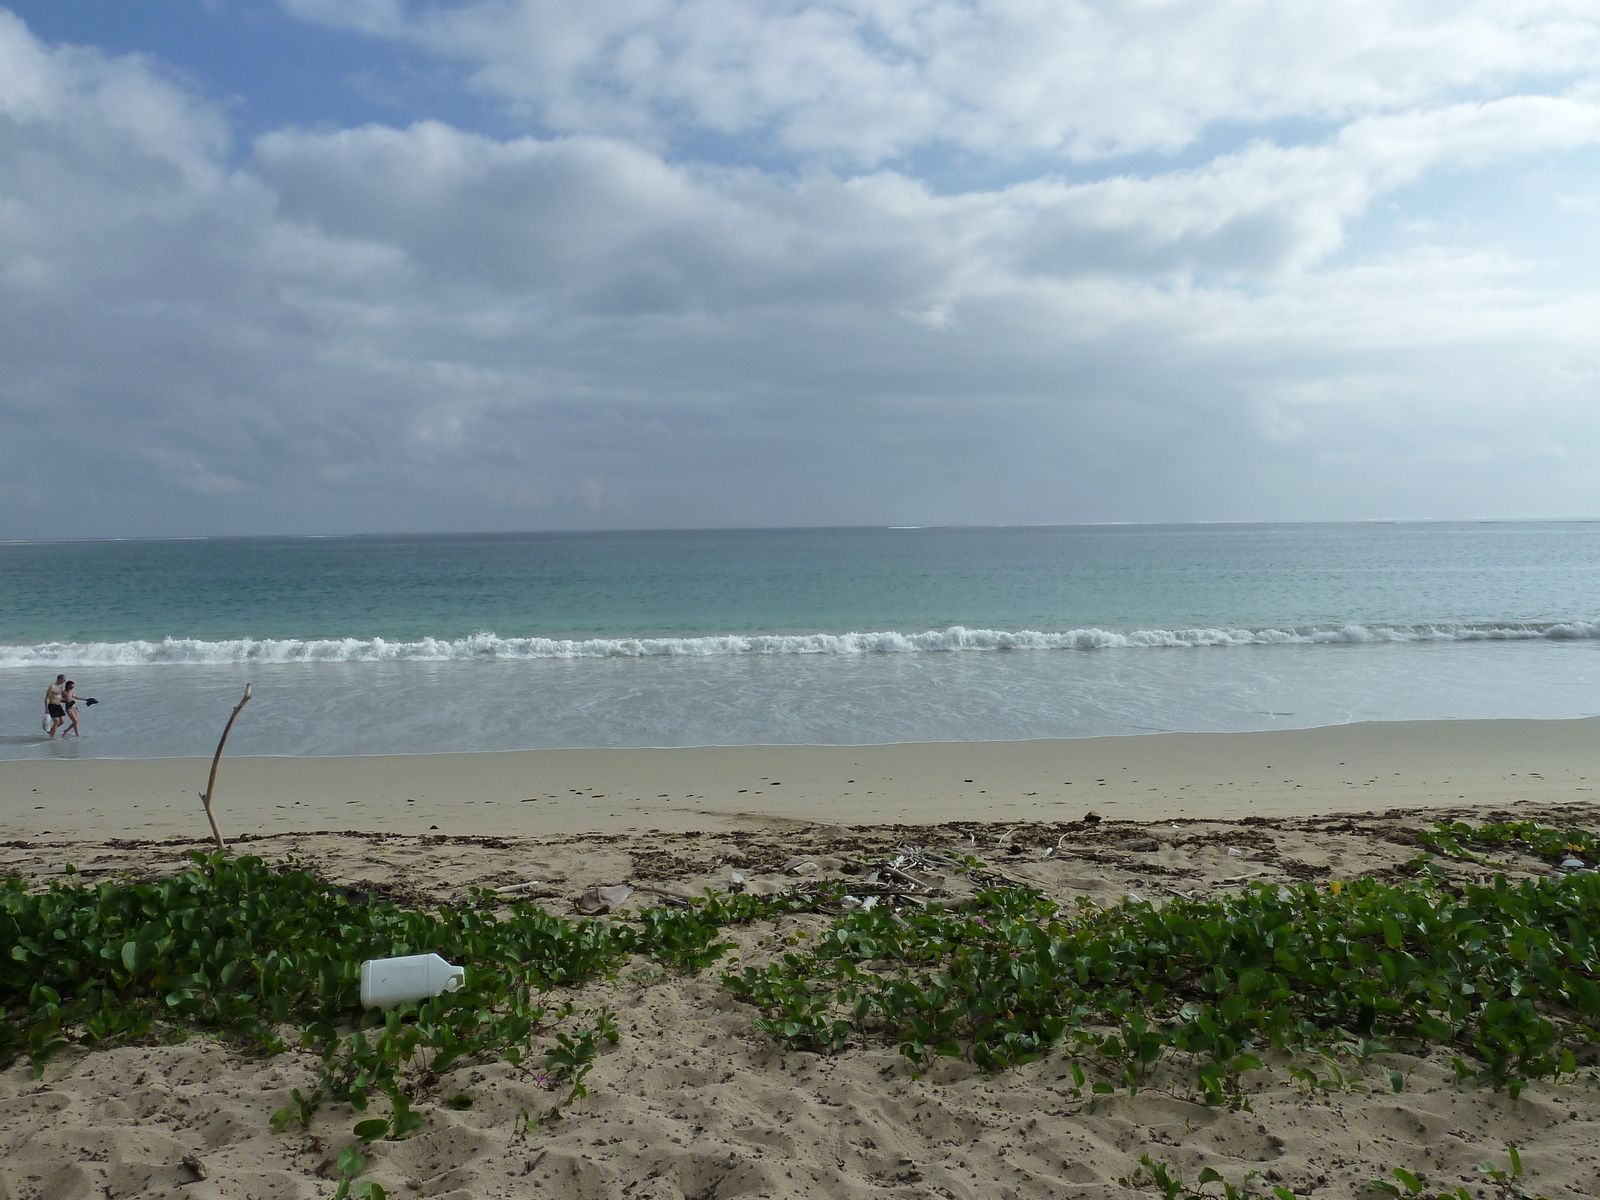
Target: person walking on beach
[69, 702]
[55, 705]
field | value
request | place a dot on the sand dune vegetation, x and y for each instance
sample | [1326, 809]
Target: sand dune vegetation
[1368, 1005]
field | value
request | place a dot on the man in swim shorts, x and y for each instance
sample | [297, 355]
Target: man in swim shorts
[54, 706]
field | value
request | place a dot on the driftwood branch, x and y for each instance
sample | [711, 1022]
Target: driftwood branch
[211, 783]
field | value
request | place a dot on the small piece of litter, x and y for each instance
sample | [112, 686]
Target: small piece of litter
[517, 887]
[603, 899]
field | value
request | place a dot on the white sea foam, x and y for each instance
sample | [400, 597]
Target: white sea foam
[490, 646]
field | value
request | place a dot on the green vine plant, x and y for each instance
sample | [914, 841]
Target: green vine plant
[1503, 975]
[1160, 1177]
[1320, 977]
[1507, 1184]
[241, 948]
[1452, 838]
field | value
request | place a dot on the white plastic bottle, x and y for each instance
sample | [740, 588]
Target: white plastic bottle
[386, 982]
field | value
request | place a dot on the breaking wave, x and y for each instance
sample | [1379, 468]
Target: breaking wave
[490, 646]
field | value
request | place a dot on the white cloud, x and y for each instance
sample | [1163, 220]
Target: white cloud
[601, 224]
[873, 79]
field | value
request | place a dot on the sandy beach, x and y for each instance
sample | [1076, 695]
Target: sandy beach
[1340, 768]
[693, 1102]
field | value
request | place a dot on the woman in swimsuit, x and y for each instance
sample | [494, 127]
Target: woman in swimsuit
[69, 701]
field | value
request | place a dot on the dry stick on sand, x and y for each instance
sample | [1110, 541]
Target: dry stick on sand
[211, 784]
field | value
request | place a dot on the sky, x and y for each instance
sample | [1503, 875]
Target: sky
[329, 266]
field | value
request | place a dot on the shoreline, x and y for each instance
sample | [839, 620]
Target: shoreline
[1277, 773]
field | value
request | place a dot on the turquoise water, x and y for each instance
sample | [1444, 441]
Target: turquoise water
[389, 644]
[616, 585]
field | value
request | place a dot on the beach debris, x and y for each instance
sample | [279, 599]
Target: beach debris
[1142, 845]
[924, 879]
[678, 899]
[216, 759]
[1236, 852]
[386, 982]
[931, 867]
[1572, 864]
[735, 882]
[196, 1166]
[859, 904]
[1091, 817]
[602, 899]
[800, 866]
[512, 889]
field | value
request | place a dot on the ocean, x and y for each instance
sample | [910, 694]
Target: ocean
[406, 644]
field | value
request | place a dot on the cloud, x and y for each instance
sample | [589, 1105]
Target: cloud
[596, 224]
[434, 328]
[870, 80]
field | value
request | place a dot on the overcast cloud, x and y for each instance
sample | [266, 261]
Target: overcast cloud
[882, 261]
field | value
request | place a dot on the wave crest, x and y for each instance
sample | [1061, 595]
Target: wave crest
[491, 646]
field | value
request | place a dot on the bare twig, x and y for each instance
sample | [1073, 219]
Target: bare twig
[211, 783]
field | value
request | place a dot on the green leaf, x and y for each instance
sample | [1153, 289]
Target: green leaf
[1413, 1184]
[372, 1130]
[351, 1161]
